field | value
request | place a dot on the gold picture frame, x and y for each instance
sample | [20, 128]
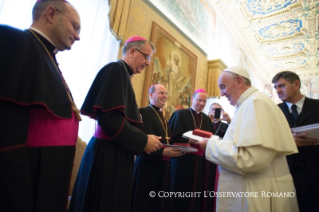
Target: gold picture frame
[173, 66]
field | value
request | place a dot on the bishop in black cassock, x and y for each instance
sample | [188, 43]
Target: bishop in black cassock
[38, 128]
[190, 172]
[152, 171]
[105, 177]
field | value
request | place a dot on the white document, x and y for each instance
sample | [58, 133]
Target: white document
[182, 148]
[190, 135]
[312, 131]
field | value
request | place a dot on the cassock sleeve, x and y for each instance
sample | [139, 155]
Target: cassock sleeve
[240, 160]
[155, 155]
[122, 131]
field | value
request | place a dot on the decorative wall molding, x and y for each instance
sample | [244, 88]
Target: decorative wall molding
[269, 13]
[215, 67]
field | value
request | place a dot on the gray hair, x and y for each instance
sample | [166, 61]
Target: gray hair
[136, 44]
[287, 75]
[215, 103]
[233, 76]
[151, 90]
[41, 6]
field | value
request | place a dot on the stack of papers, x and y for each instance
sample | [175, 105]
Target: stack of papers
[312, 131]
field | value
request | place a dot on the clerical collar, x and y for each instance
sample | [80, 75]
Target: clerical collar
[43, 35]
[127, 68]
[195, 110]
[244, 96]
[156, 108]
[299, 104]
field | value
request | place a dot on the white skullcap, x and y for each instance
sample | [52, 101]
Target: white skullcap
[238, 70]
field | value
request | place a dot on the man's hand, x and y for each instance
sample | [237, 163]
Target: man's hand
[191, 141]
[172, 152]
[226, 117]
[153, 144]
[211, 116]
[302, 140]
[203, 143]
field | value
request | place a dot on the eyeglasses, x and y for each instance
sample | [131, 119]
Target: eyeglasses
[163, 93]
[76, 26]
[146, 56]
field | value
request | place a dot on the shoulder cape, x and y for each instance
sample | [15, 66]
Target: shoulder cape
[28, 75]
[112, 90]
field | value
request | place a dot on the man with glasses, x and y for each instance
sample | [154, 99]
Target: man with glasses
[105, 178]
[151, 171]
[39, 120]
[253, 170]
[188, 171]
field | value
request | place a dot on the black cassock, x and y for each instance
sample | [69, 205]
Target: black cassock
[191, 172]
[151, 172]
[32, 177]
[219, 128]
[105, 177]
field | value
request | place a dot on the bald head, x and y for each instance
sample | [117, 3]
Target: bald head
[41, 6]
[158, 95]
[59, 21]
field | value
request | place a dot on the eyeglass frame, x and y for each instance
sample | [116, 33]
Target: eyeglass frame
[76, 26]
[163, 93]
[146, 56]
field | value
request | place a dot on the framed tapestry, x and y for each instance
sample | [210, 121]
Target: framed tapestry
[173, 66]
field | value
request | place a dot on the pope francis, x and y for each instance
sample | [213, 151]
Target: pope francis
[254, 174]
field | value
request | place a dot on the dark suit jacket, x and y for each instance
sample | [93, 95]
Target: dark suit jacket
[304, 166]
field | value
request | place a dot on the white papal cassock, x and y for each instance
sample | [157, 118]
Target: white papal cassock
[251, 158]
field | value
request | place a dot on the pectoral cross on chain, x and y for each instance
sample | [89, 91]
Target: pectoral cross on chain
[167, 138]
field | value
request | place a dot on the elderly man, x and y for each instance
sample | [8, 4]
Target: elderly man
[105, 177]
[300, 111]
[251, 156]
[151, 171]
[39, 120]
[188, 171]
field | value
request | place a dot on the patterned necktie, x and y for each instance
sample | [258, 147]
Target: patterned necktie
[294, 112]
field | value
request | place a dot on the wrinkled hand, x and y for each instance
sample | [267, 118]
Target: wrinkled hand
[153, 144]
[302, 140]
[172, 152]
[203, 143]
[226, 117]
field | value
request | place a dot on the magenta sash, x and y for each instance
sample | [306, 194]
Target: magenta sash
[99, 133]
[45, 129]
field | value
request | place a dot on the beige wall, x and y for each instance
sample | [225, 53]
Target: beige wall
[140, 23]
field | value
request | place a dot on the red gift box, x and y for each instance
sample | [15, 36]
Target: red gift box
[202, 133]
